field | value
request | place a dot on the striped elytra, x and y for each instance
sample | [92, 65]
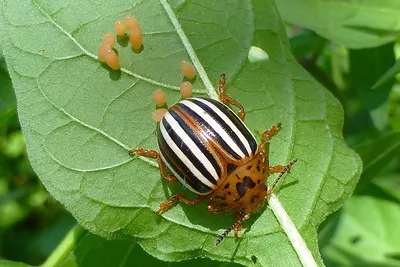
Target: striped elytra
[208, 148]
[197, 137]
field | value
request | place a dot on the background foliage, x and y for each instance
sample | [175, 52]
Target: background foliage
[351, 57]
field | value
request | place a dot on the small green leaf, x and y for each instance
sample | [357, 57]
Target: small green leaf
[366, 235]
[389, 75]
[355, 24]
[80, 119]
[376, 155]
[390, 184]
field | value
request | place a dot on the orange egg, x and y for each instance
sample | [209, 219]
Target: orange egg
[186, 90]
[120, 27]
[135, 37]
[158, 114]
[103, 48]
[112, 59]
[109, 37]
[188, 69]
[159, 97]
[131, 21]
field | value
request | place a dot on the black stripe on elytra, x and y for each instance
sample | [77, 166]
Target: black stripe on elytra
[209, 130]
[195, 138]
[172, 159]
[237, 121]
[222, 122]
[187, 152]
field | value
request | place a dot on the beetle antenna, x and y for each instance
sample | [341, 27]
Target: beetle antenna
[286, 169]
[233, 226]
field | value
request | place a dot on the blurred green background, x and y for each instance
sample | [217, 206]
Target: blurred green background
[365, 232]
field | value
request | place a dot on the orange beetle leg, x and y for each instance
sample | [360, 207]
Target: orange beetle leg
[226, 99]
[266, 135]
[164, 206]
[140, 151]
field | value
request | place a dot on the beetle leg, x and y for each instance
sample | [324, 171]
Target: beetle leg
[282, 172]
[277, 168]
[214, 210]
[140, 151]
[164, 206]
[266, 135]
[238, 226]
[226, 99]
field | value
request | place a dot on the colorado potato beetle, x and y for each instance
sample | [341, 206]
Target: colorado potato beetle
[209, 149]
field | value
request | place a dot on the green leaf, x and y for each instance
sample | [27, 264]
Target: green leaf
[388, 75]
[365, 235]
[93, 250]
[355, 24]
[376, 155]
[5, 263]
[366, 67]
[79, 120]
[7, 97]
[390, 184]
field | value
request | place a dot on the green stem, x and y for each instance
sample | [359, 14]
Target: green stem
[65, 247]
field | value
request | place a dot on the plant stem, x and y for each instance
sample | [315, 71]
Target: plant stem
[292, 233]
[65, 247]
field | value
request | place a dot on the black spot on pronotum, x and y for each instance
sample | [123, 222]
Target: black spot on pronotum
[242, 187]
[248, 167]
[254, 259]
[249, 182]
[227, 185]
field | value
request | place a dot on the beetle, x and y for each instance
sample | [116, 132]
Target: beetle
[209, 149]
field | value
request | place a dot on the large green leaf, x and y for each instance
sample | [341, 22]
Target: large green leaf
[355, 24]
[79, 119]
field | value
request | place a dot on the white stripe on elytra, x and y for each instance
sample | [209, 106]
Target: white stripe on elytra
[191, 145]
[180, 178]
[181, 155]
[205, 116]
[229, 122]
